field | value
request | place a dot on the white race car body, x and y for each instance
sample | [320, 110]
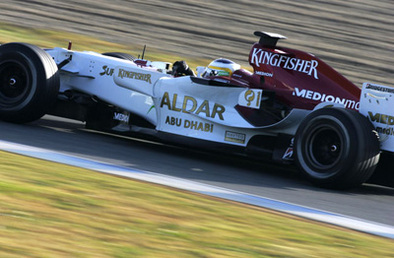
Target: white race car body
[173, 105]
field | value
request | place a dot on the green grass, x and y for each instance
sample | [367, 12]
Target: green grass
[54, 210]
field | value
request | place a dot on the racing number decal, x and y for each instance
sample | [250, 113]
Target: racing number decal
[250, 98]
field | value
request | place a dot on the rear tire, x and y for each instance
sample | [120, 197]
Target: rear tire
[336, 148]
[29, 82]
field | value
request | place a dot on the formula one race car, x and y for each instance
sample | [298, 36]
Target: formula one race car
[293, 108]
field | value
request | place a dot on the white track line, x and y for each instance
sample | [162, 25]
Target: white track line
[305, 212]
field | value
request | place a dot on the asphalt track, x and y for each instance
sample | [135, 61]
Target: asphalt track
[368, 202]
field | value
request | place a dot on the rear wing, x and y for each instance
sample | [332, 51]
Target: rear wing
[377, 103]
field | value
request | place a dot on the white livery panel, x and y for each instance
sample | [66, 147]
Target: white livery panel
[377, 103]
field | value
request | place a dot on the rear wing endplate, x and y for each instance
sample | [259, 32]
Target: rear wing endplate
[268, 39]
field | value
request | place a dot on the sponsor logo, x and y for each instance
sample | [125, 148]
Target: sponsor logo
[189, 124]
[288, 155]
[191, 105]
[260, 57]
[314, 95]
[136, 76]
[387, 131]
[234, 137]
[380, 88]
[381, 118]
[199, 126]
[264, 73]
[121, 117]
[107, 71]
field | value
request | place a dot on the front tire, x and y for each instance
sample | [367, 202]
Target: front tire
[29, 82]
[336, 148]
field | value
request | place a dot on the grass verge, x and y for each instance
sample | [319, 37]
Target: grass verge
[50, 210]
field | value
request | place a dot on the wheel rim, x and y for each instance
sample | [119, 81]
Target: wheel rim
[14, 83]
[324, 149]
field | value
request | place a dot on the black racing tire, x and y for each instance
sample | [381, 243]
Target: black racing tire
[29, 82]
[120, 55]
[336, 148]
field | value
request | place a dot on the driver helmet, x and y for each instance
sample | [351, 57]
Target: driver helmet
[220, 67]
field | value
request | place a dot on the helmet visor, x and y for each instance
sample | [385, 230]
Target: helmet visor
[216, 71]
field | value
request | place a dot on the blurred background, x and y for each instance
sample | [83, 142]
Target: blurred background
[355, 37]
